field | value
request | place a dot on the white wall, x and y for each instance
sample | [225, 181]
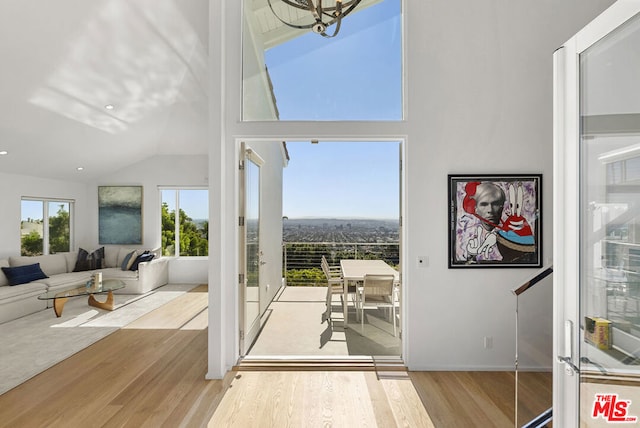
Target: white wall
[14, 187]
[154, 172]
[188, 270]
[479, 100]
[259, 106]
[256, 90]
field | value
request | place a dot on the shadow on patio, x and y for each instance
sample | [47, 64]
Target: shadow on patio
[295, 325]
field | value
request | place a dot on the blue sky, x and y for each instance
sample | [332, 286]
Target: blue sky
[342, 179]
[355, 76]
[31, 210]
[191, 202]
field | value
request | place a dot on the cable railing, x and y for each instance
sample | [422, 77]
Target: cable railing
[301, 260]
[533, 337]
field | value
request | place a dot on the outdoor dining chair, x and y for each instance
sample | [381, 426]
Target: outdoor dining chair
[334, 282]
[377, 291]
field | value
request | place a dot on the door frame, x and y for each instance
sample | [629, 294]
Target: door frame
[566, 382]
[242, 143]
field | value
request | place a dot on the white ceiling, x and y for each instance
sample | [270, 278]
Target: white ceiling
[63, 61]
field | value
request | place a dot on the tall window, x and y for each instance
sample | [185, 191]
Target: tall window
[189, 236]
[45, 226]
[291, 74]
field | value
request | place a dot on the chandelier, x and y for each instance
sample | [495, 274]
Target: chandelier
[323, 16]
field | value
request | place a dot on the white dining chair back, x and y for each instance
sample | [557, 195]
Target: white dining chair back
[377, 291]
[326, 267]
[334, 283]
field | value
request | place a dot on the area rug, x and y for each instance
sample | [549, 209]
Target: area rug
[34, 343]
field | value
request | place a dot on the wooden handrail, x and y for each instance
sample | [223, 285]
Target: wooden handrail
[541, 420]
[533, 281]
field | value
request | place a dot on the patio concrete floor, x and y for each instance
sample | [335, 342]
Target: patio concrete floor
[295, 325]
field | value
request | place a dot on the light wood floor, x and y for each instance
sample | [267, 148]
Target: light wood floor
[151, 374]
[481, 399]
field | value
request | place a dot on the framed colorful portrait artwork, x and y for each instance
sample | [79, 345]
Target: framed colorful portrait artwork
[495, 221]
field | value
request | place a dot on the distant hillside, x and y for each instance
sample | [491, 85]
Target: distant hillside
[199, 222]
[27, 227]
[338, 221]
[340, 230]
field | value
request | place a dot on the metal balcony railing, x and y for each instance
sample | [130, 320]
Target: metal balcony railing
[301, 260]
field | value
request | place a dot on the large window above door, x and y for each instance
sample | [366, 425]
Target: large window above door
[297, 75]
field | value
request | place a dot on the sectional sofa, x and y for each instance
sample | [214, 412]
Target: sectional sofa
[22, 299]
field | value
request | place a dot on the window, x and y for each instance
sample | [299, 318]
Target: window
[190, 235]
[291, 74]
[45, 226]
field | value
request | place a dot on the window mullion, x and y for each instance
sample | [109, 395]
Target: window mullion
[177, 224]
[45, 227]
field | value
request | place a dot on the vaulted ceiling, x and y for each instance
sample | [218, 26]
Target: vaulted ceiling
[65, 62]
[104, 84]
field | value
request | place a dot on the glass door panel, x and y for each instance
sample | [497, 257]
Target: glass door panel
[252, 254]
[609, 284]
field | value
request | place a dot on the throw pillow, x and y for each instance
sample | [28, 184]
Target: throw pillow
[157, 252]
[23, 274]
[129, 259]
[144, 257]
[88, 261]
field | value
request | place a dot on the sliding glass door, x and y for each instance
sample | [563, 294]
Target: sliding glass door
[598, 213]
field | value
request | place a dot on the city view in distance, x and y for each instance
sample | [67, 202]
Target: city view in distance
[340, 230]
[306, 240]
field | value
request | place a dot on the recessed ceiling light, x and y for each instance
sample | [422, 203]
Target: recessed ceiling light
[3, 152]
[109, 107]
[80, 168]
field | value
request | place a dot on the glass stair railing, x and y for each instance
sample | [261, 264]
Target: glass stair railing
[534, 351]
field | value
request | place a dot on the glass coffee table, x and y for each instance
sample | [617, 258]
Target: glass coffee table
[60, 297]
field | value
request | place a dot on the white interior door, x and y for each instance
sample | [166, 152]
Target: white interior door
[597, 212]
[251, 253]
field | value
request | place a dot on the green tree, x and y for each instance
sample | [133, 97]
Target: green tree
[168, 231]
[308, 277]
[32, 244]
[193, 240]
[59, 231]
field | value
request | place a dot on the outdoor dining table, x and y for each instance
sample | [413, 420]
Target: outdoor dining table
[355, 270]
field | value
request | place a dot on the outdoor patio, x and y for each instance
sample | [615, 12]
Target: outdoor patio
[295, 325]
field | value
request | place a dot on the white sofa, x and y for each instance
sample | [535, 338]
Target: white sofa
[22, 299]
